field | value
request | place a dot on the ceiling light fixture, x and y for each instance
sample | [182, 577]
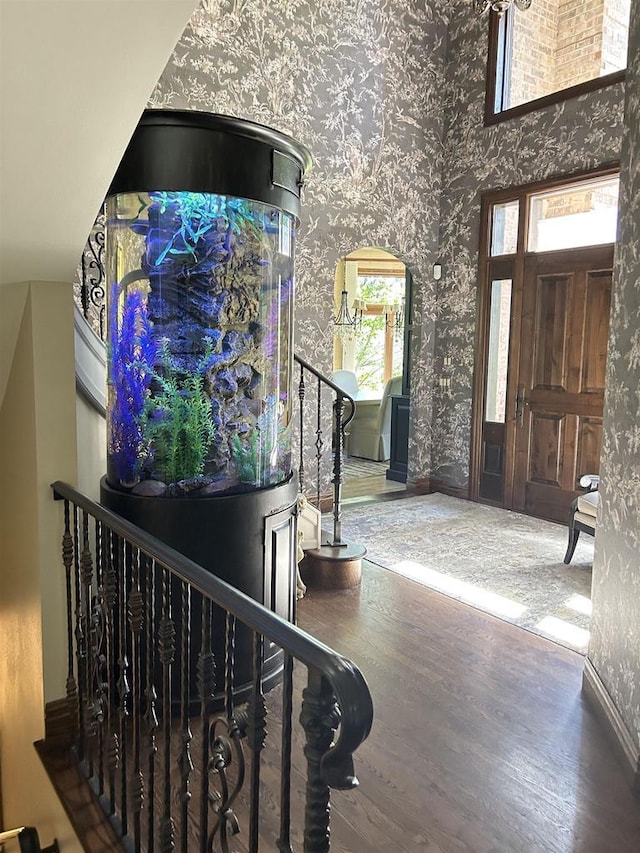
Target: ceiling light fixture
[483, 7]
[345, 325]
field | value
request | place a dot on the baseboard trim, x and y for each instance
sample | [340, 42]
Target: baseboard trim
[326, 501]
[428, 485]
[418, 487]
[599, 699]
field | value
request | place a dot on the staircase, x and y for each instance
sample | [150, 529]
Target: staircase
[150, 721]
[149, 748]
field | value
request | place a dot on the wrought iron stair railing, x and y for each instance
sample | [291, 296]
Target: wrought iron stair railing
[328, 397]
[168, 760]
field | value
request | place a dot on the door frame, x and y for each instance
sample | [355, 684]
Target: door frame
[514, 265]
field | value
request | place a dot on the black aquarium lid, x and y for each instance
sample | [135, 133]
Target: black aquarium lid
[190, 151]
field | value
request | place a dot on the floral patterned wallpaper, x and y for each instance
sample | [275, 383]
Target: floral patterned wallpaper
[389, 97]
[615, 625]
[360, 83]
[579, 134]
[391, 108]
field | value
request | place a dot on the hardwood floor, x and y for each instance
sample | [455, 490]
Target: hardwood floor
[482, 742]
[364, 478]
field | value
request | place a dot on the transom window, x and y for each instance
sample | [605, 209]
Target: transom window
[582, 213]
[555, 50]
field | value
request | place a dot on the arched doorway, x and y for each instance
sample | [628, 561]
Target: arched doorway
[370, 352]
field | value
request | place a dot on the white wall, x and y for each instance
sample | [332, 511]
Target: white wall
[74, 79]
[92, 447]
[37, 446]
[75, 76]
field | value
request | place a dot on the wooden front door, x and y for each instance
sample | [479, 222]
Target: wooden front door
[561, 374]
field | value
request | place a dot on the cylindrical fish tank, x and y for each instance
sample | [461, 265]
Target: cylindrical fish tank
[199, 327]
[201, 224]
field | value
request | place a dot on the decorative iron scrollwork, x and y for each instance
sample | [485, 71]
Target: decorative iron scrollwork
[92, 277]
[226, 755]
[96, 700]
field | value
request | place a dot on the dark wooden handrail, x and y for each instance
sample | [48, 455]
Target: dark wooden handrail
[341, 424]
[340, 391]
[346, 680]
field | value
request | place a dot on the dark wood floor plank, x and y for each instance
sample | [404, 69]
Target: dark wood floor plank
[482, 741]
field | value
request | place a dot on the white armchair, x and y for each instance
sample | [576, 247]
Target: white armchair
[347, 380]
[369, 433]
[582, 514]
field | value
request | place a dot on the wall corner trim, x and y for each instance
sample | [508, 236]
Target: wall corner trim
[91, 363]
[601, 702]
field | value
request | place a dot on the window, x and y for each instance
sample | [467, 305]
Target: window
[504, 228]
[379, 342]
[584, 214]
[542, 54]
[498, 351]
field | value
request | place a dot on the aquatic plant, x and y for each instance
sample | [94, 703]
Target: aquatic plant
[245, 453]
[180, 425]
[131, 353]
[197, 220]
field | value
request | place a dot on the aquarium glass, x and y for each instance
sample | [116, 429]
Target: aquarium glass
[199, 343]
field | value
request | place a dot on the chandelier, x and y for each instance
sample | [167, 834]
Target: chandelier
[394, 315]
[499, 6]
[345, 323]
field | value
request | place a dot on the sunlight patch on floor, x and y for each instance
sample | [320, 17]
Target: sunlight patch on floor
[467, 592]
[564, 631]
[580, 603]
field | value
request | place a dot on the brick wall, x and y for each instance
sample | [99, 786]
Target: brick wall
[615, 28]
[579, 42]
[534, 38]
[560, 43]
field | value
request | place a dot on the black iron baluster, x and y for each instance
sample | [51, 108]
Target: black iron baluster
[151, 718]
[340, 424]
[86, 579]
[135, 612]
[256, 737]
[80, 634]
[71, 685]
[337, 470]
[99, 614]
[206, 668]
[110, 599]
[229, 659]
[123, 550]
[320, 717]
[301, 396]
[186, 765]
[166, 654]
[224, 746]
[284, 841]
[319, 443]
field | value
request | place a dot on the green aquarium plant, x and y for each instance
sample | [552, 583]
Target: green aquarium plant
[186, 225]
[180, 426]
[245, 453]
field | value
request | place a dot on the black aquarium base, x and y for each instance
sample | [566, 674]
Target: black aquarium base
[247, 540]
